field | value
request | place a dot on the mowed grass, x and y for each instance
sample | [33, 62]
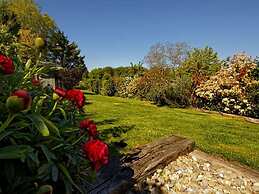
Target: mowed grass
[140, 122]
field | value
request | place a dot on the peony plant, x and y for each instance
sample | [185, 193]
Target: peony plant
[42, 150]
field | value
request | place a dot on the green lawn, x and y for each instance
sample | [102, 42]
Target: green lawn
[139, 122]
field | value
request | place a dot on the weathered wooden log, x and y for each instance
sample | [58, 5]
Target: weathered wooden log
[145, 160]
[133, 169]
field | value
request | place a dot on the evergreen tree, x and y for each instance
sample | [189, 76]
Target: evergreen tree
[66, 54]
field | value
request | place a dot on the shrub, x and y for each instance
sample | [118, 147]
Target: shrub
[179, 91]
[230, 90]
[96, 86]
[132, 87]
[108, 88]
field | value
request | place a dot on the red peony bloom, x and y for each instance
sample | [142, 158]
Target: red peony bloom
[24, 96]
[60, 91]
[35, 82]
[92, 131]
[76, 96]
[97, 152]
[84, 124]
[6, 65]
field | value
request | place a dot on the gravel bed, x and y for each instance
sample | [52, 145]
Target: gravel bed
[191, 175]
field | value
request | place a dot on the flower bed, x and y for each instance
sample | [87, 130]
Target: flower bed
[42, 147]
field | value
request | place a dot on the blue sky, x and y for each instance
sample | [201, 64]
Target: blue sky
[117, 32]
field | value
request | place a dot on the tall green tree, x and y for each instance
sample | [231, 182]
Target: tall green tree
[66, 54]
[28, 14]
[200, 64]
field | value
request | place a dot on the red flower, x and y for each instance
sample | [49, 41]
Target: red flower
[76, 96]
[88, 124]
[84, 124]
[24, 95]
[35, 81]
[92, 131]
[97, 152]
[6, 65]
[60, 91]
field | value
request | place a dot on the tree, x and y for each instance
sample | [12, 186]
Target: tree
[136, 69]
[29, 16]
[66, 54]
[201, 63]
[167, 54]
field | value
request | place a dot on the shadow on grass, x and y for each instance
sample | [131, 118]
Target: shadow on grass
[203, 114]
[117, 131]
[88, 102]
[106, 121]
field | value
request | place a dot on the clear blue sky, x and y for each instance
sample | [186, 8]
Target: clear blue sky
[117, 32]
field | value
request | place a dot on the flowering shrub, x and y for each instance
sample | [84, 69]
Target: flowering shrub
[121, 84]
[40, 146]
[227, 91]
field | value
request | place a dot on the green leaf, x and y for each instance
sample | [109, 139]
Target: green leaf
[40, 125]
[50, 156]
[39, 103]
[5, 134]
[44, 189]
[68, 177]
[15, 152]
[63, 113]
[58, 146]
[68, 187]
[28, 64]
[7, 122]
[54, 173]
[52, 127]
[34, 157]
[44, 172]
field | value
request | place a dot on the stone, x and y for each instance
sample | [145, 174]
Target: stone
[255, 187]
[194, 158]
[221, 175]
[188, 175]
[199, 178]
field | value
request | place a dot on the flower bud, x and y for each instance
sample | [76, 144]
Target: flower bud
[14, 104]
[39, 42]
[45, 189]
[18, 101]
[55, 96]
